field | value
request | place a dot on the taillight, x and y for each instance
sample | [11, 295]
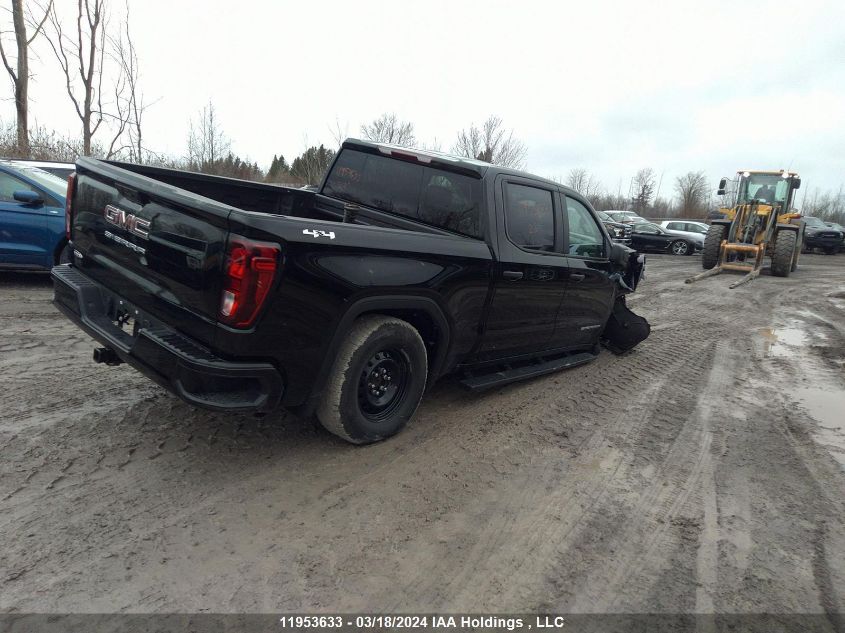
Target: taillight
[71, 187]
[250, 268]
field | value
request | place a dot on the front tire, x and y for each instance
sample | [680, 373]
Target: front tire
[799, 248]
[786, 242]
[376, 382]
[712, 243]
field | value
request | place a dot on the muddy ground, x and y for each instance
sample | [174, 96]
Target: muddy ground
[705, 471]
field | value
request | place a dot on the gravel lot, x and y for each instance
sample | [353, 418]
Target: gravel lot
[704, 471]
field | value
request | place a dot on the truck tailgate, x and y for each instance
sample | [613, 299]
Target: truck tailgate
[158, 247]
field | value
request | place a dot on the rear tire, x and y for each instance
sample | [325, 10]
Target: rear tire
[376, 382]
[786, 242]
[712, 242]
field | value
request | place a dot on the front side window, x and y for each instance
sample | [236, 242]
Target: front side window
[530, 217]
[9, 185]
[585, 237]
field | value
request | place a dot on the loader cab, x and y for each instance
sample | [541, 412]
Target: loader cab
[766, 187]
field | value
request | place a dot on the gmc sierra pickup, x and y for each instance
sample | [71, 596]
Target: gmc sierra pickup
[348, 300]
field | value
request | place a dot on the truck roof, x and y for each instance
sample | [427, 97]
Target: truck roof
[458, 163]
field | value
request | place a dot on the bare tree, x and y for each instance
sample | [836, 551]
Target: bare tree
[692, 193]
[388, 128]
[583, 182]
[339, 132]
[491, 143]
[20, 76]
[643, 187]
[207, 144]
[82, 56]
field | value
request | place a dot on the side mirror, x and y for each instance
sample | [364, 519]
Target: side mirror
[27, 197]
[796, 183]
[723, 184]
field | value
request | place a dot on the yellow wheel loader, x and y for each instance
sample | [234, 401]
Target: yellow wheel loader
[758, 222]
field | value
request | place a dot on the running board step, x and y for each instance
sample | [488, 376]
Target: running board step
[529, 369]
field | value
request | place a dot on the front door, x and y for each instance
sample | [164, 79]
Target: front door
[589, 296]
[647, 237]
[23, 227]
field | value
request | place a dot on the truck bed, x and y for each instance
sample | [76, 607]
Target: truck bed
[271, 199]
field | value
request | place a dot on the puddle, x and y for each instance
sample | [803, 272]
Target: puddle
[825, 403]
[828, 409]
[782, 341]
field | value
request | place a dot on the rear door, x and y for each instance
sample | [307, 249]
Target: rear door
[531, 275]
[24, 238]
[590, 293]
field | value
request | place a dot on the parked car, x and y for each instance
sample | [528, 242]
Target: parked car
[626, 217]
[32, 218]
[841, 229]
[819, 235]
[694, 231]
[349, 301]
[648, 236]
[57, 168]
[618, 231]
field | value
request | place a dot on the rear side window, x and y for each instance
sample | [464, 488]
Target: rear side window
[530, 217]
[585, 237]
[433, 196]
[676, 226]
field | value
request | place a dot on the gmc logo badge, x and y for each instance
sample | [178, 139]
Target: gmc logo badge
[132, 223]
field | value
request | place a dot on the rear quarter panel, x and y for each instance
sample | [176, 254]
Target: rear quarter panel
[323, 276]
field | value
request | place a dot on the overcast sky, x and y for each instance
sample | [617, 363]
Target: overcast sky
[608, 86]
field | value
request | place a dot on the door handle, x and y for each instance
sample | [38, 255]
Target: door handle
[577, 276]
[513, 275]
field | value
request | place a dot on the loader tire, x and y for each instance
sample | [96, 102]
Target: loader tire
[798, 249]
[786, 241]
[712, 242]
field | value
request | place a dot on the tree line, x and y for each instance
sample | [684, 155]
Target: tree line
[101, 72]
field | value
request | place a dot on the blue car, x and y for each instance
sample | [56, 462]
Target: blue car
[32, 218]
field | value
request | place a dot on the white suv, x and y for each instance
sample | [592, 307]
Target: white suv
[695, 231]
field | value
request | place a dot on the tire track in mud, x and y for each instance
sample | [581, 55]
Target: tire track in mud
[592, 487]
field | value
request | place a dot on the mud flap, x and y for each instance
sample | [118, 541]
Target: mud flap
[624, 329]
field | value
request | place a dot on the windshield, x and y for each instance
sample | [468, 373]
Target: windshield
[815, 222]
[763, 188]
[47, 180]
[647, 227]
[603, 216]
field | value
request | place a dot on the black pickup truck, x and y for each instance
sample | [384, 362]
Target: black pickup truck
[346, 301]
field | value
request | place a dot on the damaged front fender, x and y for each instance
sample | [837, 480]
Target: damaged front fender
[624, 329]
